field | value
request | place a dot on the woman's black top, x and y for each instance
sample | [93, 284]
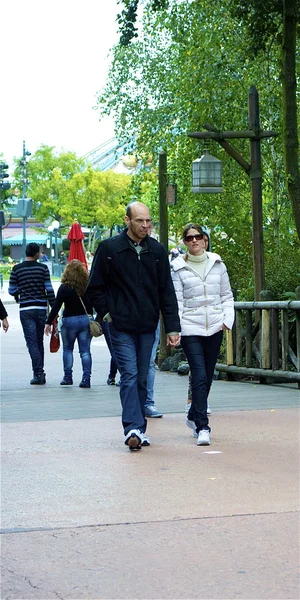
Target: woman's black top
[73, 307]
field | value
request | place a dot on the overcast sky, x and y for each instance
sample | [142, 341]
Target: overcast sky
[54, 59]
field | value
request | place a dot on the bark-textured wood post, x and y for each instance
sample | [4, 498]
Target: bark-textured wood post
[256, 190]
[298, 332]
[163, 238]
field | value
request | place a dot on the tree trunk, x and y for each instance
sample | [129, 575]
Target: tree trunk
[289, 85]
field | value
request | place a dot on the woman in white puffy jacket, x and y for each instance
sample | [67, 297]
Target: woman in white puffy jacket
[206, 309]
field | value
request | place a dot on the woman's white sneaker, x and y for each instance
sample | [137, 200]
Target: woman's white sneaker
[203, 438]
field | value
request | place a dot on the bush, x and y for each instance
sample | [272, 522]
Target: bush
[6, 268]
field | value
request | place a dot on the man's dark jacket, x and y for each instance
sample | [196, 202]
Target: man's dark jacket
[133, 287]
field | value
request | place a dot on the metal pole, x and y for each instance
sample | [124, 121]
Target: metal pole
[256, 189]
[56, 246]
[23, 198]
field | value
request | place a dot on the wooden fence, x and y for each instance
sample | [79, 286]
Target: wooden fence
[265, 340]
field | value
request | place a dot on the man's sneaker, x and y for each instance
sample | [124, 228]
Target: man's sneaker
[38, 379]
[111, 381]
[145, 440]
[208, 410]
[133, 439]
[152, 412]
[203, 438]
[192, 426]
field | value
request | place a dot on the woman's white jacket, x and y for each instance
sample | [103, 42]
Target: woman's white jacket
[204, 304]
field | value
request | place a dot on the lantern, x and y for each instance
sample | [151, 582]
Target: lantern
[207, 174]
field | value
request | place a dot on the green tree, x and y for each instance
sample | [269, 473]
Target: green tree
[63, 187]
[191, 65]
[277, 21]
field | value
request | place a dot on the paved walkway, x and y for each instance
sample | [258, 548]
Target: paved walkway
[82, 517]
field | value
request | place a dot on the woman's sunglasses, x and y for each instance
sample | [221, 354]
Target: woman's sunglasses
[189, 238]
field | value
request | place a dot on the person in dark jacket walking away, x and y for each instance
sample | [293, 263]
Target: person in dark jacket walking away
[75, 321]
[130, 283]
[3, 317]
[31, 286]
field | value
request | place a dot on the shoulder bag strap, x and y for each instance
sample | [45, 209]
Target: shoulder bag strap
[83, 305]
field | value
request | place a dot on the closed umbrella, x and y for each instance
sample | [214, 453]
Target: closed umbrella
[76, 238]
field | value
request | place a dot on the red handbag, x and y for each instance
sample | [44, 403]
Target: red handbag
[54, 339]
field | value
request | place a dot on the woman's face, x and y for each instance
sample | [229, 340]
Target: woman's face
[194, 242]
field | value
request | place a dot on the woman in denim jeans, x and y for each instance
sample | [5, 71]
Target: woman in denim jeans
[75, 321]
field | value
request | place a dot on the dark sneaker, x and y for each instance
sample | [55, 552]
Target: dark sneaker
[133, 439]
[85, 383]
[111, 381]
[38, 379]
[66, 381]
[152, 412]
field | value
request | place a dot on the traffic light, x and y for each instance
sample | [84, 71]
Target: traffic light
[4, 185]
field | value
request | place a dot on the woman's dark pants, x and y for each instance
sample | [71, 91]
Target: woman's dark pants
[202, 353]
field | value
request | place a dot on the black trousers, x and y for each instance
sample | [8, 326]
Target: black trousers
[202, 353]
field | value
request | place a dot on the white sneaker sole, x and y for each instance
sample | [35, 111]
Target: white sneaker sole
[133, 440]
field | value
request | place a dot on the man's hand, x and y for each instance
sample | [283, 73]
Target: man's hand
[5, 324]
[224, 327]
[173, 340]
[47, 329]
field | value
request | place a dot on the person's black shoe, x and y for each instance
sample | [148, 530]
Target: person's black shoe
[66, 381]
[111, 381]
[38, 379]
[85, 383]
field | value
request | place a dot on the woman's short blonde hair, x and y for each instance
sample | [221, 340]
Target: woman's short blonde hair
[75, 276]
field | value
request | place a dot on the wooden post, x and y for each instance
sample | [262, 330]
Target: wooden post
[229, 347]
[163, 238]
[265, 338]
[298, 332]
[256, 189]
[284, 339]
[238, 338]
[248, 338]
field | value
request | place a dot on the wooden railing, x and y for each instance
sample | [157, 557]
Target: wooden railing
[265, 340]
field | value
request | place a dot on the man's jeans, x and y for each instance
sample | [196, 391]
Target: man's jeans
[202, 353]
[152, 369]
[33, 324]
[133, 352]
[76, 328]
[113, 368]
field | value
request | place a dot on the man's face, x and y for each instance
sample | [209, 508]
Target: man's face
[139, 223]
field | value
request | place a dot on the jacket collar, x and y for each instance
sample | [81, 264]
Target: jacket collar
[180, 263]
[123, 241]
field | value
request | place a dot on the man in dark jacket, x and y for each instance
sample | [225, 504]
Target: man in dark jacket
[129, 285]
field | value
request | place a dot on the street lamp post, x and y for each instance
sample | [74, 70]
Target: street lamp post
[25, 205]
[56, 267]
[253, 169]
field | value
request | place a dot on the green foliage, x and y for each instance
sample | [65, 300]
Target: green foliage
[6, 269]
[190, 66]
[64, 188]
